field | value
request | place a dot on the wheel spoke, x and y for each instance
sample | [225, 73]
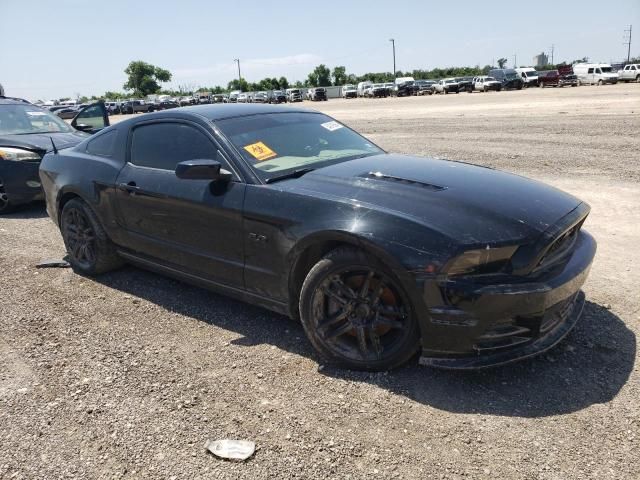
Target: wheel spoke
[362, 341]
[343, 289]
[75, 250]
[377, 295]
[333, 319]
[375, 342]
[365, 285]
[388, 322]
[339, 331]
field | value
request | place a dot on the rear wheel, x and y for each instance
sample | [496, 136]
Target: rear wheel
[5, 205]
[599, 83]
[356, 314]
[90, 251]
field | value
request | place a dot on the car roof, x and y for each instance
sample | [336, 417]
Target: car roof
[14, 101]
[230, 110]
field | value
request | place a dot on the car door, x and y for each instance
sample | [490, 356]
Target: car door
[192, 225]
[91, 119]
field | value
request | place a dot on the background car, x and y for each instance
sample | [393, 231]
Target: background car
[465, 84]
[294, 95]
[376, 90]
[242, 98]
[446, 85]
[424, 87]
[485, 83]
[137, 106]
[27, 132]
[167, 105]
[349, 91]
[317, 94]
[261, 97]
[277, 96]
[67, 113]
[509, 78]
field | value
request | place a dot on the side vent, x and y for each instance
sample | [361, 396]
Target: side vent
[405, 181]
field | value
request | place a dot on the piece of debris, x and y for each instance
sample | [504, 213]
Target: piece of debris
[53, 264]
[231, 449]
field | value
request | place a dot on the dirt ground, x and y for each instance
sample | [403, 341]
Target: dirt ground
[126, 375]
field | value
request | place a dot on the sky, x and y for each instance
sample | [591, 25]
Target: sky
[62, 48]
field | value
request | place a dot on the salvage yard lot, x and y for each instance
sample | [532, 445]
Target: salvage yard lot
[126, 375]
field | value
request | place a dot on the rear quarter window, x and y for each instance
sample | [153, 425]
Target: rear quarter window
[103, 144]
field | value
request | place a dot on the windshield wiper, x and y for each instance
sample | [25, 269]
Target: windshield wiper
[293, 174]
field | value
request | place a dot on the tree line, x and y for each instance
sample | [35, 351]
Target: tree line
[145, 79]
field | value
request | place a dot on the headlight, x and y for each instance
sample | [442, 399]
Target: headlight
[17, 154]
[484, 260]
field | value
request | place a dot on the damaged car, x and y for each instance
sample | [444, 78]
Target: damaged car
[381, 256]
[27, 132]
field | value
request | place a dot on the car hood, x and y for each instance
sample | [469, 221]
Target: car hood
[467, 203]
[41, 142]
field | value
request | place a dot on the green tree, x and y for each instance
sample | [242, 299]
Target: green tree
[502, 62]
[339, 75]
[236, 84]
[143, 78]
[283, 82]
[320, 77]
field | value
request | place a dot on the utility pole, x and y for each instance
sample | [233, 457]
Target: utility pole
[552, 49]
[627, 33]
[515, 61]
[393, 45]
[237, 60]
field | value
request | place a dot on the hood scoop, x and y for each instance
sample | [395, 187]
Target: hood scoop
[404, 181]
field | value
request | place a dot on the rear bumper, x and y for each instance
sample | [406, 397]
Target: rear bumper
[471, 325]
[21, 181]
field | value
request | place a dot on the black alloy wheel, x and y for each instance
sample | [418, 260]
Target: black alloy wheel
[89, 249]
[79, 237]
[356, 314]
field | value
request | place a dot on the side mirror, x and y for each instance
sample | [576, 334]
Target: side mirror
[202, 170]
[91, 118]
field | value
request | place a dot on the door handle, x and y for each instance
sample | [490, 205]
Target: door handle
[130, 187]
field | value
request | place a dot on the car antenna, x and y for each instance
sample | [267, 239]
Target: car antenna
[55, 150]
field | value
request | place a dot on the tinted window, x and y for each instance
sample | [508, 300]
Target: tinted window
[164, 145]
[102, 144]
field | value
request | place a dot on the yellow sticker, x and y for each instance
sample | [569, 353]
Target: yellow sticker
[260, 151]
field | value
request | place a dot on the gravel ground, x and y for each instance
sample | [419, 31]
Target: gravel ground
[127, 375]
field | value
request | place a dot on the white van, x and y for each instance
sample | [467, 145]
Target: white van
[529, 76]
[362, 86]
[595, 73]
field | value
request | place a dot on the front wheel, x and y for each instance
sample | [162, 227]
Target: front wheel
[5, 205]
[356, 314]
[89, 249]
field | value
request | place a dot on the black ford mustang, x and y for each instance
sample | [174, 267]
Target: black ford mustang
[378, 254]
[27, 132]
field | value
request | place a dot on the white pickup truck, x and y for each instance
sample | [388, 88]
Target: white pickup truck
[630, 73]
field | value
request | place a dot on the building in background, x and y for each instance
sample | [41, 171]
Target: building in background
[541, 60]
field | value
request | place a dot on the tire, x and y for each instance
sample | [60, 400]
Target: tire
[5, 204]
[341, 302]
[599, 83]
[541, 84]
[89, 249]
[638, 79]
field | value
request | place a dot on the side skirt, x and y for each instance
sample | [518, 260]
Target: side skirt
[237, 293]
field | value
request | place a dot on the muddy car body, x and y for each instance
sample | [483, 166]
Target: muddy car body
[380, 255]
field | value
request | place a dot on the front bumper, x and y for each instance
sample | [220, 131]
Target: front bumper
[474, 325]
[21, 181]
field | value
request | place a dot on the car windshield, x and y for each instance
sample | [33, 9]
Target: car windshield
[489, 79]
[27, 119]
[279, 143]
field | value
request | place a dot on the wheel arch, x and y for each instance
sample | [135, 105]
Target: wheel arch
[309, 250]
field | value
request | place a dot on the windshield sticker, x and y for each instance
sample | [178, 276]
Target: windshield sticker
[260, 151]
[37, 114]
[331, 126]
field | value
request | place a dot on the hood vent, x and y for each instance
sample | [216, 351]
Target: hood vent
[400, 180]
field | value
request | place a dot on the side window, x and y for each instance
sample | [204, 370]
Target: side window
[164, 145]
[103, 145]
[92, 116]
[590, 70]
